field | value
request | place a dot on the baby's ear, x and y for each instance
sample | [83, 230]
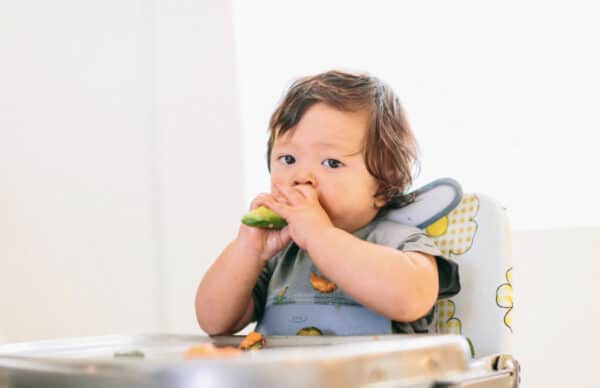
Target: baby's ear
[379, 202]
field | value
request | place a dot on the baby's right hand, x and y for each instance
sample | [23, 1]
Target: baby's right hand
[262, 243]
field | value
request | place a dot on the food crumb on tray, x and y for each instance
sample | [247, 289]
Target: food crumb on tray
[130, 354]
[252, 341]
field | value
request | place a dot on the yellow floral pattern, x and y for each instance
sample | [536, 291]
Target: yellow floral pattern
[447, 322]
[454, 233]
[504, 298]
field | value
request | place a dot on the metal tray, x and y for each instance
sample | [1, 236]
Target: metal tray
[358, 361]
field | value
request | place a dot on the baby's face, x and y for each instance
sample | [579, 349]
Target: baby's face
[324, 150]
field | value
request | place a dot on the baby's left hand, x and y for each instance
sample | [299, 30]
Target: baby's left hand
[300, 206]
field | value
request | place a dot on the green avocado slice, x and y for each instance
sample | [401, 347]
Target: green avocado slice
[262, 217]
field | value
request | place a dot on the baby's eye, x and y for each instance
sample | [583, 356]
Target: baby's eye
[287, 159]
[332, 163]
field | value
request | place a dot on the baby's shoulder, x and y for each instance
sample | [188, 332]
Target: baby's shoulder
[390, 233]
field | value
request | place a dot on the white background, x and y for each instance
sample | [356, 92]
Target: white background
[120, 163]
[502, 95]
[132, 137]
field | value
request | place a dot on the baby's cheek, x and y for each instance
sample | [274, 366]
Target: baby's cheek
[276, 181]
[332, 206]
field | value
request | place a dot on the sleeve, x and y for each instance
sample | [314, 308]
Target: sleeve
[408, 238]
[448, 278]
[259, 293]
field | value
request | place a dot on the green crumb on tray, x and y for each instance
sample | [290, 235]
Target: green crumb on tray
[130, 354]
[262, 217]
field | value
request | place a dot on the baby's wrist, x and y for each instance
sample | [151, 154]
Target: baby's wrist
[324, 235]
[247, 250]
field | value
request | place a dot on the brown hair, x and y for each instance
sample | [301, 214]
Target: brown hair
[389, 149]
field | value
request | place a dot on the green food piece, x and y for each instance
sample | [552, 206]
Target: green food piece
[309, 331]
[131, 354]
[262, 217]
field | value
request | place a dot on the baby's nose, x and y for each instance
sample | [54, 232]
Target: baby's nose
[305, 178]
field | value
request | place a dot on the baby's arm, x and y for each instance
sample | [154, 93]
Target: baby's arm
[402, 286]
[224, 302]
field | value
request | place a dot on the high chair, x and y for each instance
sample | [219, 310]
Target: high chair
[473, 230]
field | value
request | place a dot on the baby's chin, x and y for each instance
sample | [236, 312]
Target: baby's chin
[349, 226]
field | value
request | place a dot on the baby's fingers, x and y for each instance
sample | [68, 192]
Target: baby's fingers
[291, 195]
[278, 195]
[284, 236]
[259, 200]
[278, 207]
[308, 192]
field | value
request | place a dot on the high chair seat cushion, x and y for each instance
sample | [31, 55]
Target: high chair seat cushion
[472, 230]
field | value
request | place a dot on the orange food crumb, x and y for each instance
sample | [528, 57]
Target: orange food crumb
[210, 351]
[253, 338]
[321, 284]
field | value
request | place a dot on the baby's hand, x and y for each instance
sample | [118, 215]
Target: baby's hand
[262, 243]
[301, 208]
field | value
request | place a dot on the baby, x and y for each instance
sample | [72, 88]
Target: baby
[340, 154]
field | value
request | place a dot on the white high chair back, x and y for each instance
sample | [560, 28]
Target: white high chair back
[476, 234]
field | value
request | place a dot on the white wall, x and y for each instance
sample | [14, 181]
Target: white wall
[556, 306]
[120, 163]
[77, 237]
[501, 95]
[200, 146]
